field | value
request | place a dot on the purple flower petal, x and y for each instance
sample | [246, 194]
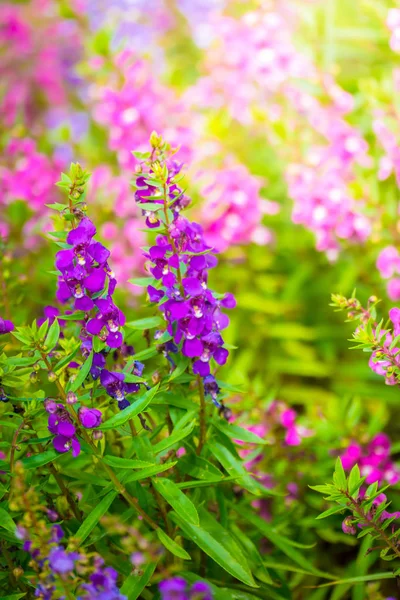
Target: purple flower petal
[192, 348]
[95, 281]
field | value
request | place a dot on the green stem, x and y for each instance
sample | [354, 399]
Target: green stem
[371, 523]
[117, 484]
[202, 416]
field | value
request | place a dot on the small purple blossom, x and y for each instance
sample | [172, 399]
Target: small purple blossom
[60, 424]
[89, 417]
[6, 326]
[62, 562]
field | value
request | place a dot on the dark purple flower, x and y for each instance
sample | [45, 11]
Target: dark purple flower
[102, 586]
[114, 383]
[99, 362]
[6, 326]
[89, 417]
[109, 318]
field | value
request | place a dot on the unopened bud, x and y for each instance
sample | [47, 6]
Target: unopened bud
[36, 366]
[97, 435]
[51, 376]
[33, 377]
[72, 398]
[18, 572]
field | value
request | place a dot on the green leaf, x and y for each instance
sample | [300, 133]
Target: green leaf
[14, 596]
[180, 368]
[145, 354]
[339, 477]
[38, 460]
[235, 432]
[172, 546]
[135, 584]
[277, 539]
[82, 373]
[199, 467]
[331, 511]
[360, 579]
[355, 481]
[235, 467]
[67, 359]
[148, 472]
[177, 499]
[142, 281]
[94, 516]
[52, 336]
[148, 323]
[174, 438]
[125, 463]
[217, 549]
[131, 411]
[6, 521]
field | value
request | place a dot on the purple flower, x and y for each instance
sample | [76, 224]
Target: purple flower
[110, 318]
[193, 312]
[102, 586]
[60, 424]
[173, 589]
[61, 561]
[89, 417]
[114, 383]
[50, 313]
[6, 326]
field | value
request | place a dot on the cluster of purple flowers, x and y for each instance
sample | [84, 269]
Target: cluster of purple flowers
[59, 562]
[193, 312]
[103, 584]
[84, 275]
[177, 589]
[61, 426]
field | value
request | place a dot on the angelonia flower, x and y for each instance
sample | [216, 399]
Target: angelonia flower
[19, 180]
[133, 102]
[233, 209]
[388, 265]
[180, 261]
[6, 326]
[39, 50]
[373, 460]
[393, 24]
[103, 584]
[177, 588]
[348, 523]
[60, 424]
[279, 425]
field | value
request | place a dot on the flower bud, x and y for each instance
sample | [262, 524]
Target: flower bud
[36, 366]
[50, 405]
[89, 417]
[18, 572]
[97, 435]
[72, 398]
[51, 376]
[33, 377]
[348, 527]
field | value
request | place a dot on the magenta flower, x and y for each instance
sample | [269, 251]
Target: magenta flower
[60, 424]
[89, 417]
[6, 326]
